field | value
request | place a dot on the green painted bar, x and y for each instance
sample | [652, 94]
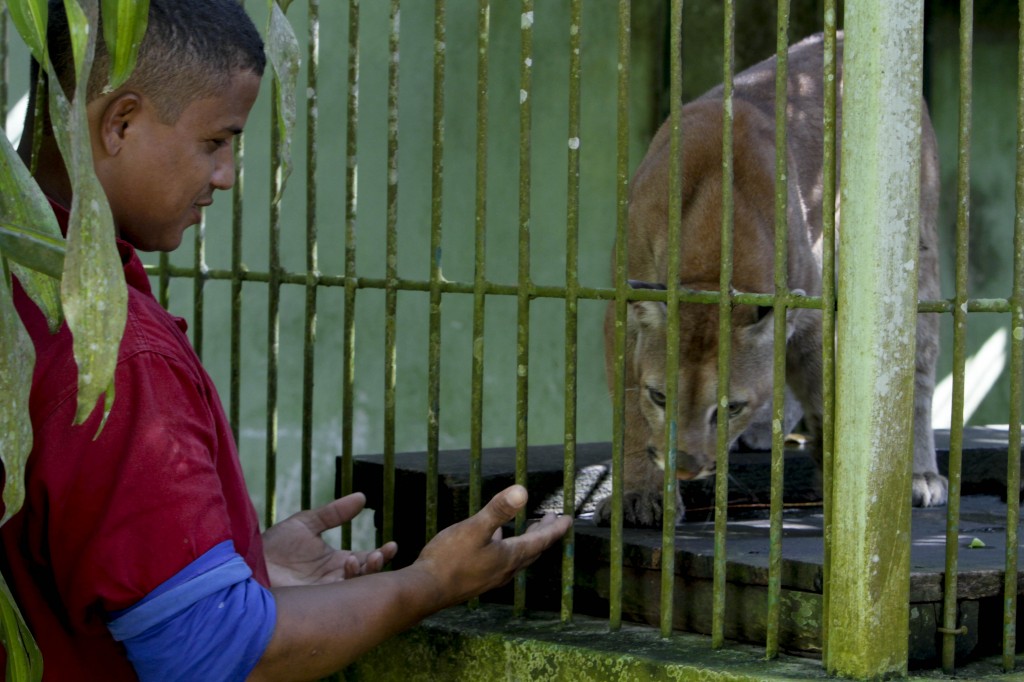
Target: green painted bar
[312, 264]
[1016, 369]
[235, 342]
[480, 251]
[950, 627]
[724, 335]
[349, 335]
[781, 281]
[881, 142]
[4, 70]
[524, 281]
[273, 313]
[621, 292]
[434, 333]
[163, 285]
[828, 302]
[198, 287]
[391, 289]
[572, 248]
[675, 212]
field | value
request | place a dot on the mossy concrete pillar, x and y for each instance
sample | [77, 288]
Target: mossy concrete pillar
[877, 295]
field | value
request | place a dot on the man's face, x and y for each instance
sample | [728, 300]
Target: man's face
[163, 174]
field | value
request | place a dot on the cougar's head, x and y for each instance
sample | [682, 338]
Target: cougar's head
[697, 408]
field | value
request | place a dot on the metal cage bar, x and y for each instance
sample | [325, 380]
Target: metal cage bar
[349, 281]
[199, 286]
[391, 284]
[312, 261]
[949, 628]
[828, 301]
[479, 256]
[781, 277]
[724, 333]
[621, 303]
[235, 340]
[572, 220]
[273, 313]
[524, 280]
[1010, 599]
[434, 332]
[675, 212]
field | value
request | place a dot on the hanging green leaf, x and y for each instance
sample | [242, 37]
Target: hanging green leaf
[16, 365]
[24, 660]
[29, 17]
[29, 235]
[78, 27]
[283, 54]
[124, 25]
[93, 289]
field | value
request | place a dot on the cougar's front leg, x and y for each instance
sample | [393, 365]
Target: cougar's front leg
[643, 480]
[929, 487]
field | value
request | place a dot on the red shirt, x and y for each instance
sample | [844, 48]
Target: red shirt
[106, 521]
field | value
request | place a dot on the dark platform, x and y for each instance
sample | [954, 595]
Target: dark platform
[980, 580]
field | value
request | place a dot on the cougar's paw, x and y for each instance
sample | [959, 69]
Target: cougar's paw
[929, 489]
[639, 510]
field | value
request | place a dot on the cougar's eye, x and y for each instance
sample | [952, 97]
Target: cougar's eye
[657, 397]
[736, 408]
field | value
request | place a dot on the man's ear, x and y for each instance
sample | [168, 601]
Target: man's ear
[117, 114]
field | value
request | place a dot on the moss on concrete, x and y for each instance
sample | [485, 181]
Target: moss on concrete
[460, 645]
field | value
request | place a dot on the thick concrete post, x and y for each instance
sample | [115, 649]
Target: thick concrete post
[877, 295]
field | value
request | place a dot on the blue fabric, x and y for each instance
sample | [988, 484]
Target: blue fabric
[211, 621]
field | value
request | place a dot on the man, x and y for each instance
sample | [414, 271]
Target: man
[139, 553]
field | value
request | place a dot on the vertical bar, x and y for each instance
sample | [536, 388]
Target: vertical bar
[198, 286]
[4, 70]
[881, 152]
[434, 343]
[349, 333]
[572, 286]
[1016, 372]
[828, 302]
[956, 424]
[480, 251]
[675, 212]
[164, 283]
[724, 337]
[273, 312]
[524, 280]
[621, 303]
[391, 279]
[774, 607]
[235, 387]
[312, 265]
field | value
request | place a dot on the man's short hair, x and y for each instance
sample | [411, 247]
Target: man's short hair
[191, 50]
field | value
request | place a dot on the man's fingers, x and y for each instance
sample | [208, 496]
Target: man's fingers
[504, 506]
[333, 514]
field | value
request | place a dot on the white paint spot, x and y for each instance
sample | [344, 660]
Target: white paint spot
[1018, 333]
[527, 20]
[574, 143]
[523, 95]
[528, 62]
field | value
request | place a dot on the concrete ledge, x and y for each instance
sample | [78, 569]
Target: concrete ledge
[463, 645]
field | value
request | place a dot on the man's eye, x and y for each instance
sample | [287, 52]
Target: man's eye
[657, 397]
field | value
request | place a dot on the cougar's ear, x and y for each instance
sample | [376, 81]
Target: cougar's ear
[646, 315]
[763, 318]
